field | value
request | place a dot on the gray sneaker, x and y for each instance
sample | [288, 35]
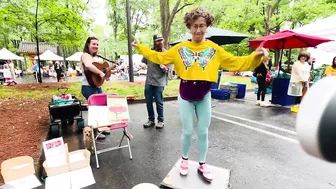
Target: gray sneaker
[149, 124]
[101, 136]
[160, 125]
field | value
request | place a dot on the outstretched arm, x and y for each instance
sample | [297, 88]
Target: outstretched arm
[241, 63]
[165, 57]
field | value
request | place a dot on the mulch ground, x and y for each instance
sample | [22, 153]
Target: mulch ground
[24, 122]
[39, 86]
[24, 126]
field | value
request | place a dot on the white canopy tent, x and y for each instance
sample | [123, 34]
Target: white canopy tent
[48, 55]
[326, 28]
[7, 55]
[136, 58]
[75, 57]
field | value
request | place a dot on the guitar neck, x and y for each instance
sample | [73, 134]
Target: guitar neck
[106, 59]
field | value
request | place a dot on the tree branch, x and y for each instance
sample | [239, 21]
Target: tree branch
[275, 27]
[185, 5]
[176, 10]
[275, 6]
[49, 19]
[172, 14]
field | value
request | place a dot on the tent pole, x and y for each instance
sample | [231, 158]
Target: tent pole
[281, 52]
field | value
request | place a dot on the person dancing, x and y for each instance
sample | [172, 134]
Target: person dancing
[197, 62]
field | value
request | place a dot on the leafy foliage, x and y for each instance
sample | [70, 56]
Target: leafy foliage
[60, 22]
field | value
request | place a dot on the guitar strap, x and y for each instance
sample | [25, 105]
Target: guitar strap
[106, 59]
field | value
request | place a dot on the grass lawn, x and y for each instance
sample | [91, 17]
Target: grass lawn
[40, 91]
[238, 79]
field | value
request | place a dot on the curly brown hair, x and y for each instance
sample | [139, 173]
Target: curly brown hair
[196, 13]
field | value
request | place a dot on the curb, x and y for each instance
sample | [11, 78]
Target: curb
[135, 101]
[142, 100]
[38, 165]
[249, 90]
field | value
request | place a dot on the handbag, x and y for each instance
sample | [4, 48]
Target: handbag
[269, 77]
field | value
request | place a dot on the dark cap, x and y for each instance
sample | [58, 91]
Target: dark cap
[157, 37]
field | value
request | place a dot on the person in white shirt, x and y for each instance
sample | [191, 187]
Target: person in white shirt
[11, 68]
[299, 77]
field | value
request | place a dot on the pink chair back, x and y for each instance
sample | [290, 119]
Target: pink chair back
[97, 100]
[101, 100]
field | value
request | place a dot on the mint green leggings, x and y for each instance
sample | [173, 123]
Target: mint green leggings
[203, 115]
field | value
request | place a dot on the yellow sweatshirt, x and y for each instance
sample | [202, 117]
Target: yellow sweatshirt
[200, 61]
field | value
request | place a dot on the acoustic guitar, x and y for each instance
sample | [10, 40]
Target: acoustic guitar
[95, 80]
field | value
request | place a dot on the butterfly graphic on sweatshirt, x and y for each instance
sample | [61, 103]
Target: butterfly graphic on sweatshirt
[202, 58]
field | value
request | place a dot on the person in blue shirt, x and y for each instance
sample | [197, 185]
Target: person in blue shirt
[35, 69]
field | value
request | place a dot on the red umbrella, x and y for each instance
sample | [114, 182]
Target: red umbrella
[287, 40]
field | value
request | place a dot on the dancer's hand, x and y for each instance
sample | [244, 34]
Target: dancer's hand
[164, 68]
[262, 51]
[102, 75]
[135, 42]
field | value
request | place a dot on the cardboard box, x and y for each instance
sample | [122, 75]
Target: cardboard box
[17, 168]
[76, 173]
[70, 166]
[19, 172]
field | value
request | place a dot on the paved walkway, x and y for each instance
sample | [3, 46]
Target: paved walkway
[257, 144]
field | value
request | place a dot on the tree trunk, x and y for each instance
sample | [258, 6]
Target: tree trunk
[167, 18]
[166, 36]
[267, 20]
[277, 29]
[115, 25]
[164, 12]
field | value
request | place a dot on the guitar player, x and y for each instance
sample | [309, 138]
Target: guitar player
[89, 54]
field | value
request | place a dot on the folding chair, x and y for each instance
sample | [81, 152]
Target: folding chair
[101, 100]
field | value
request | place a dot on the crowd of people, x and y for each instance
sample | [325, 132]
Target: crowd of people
[300, 77]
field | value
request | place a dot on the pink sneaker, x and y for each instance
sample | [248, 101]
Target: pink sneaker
[203, 169]
[184, 167]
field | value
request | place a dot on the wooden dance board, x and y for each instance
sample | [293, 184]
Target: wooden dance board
[194, 180]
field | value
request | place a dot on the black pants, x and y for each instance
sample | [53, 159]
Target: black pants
[297, 100]
[58, 73]
[261, 88]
